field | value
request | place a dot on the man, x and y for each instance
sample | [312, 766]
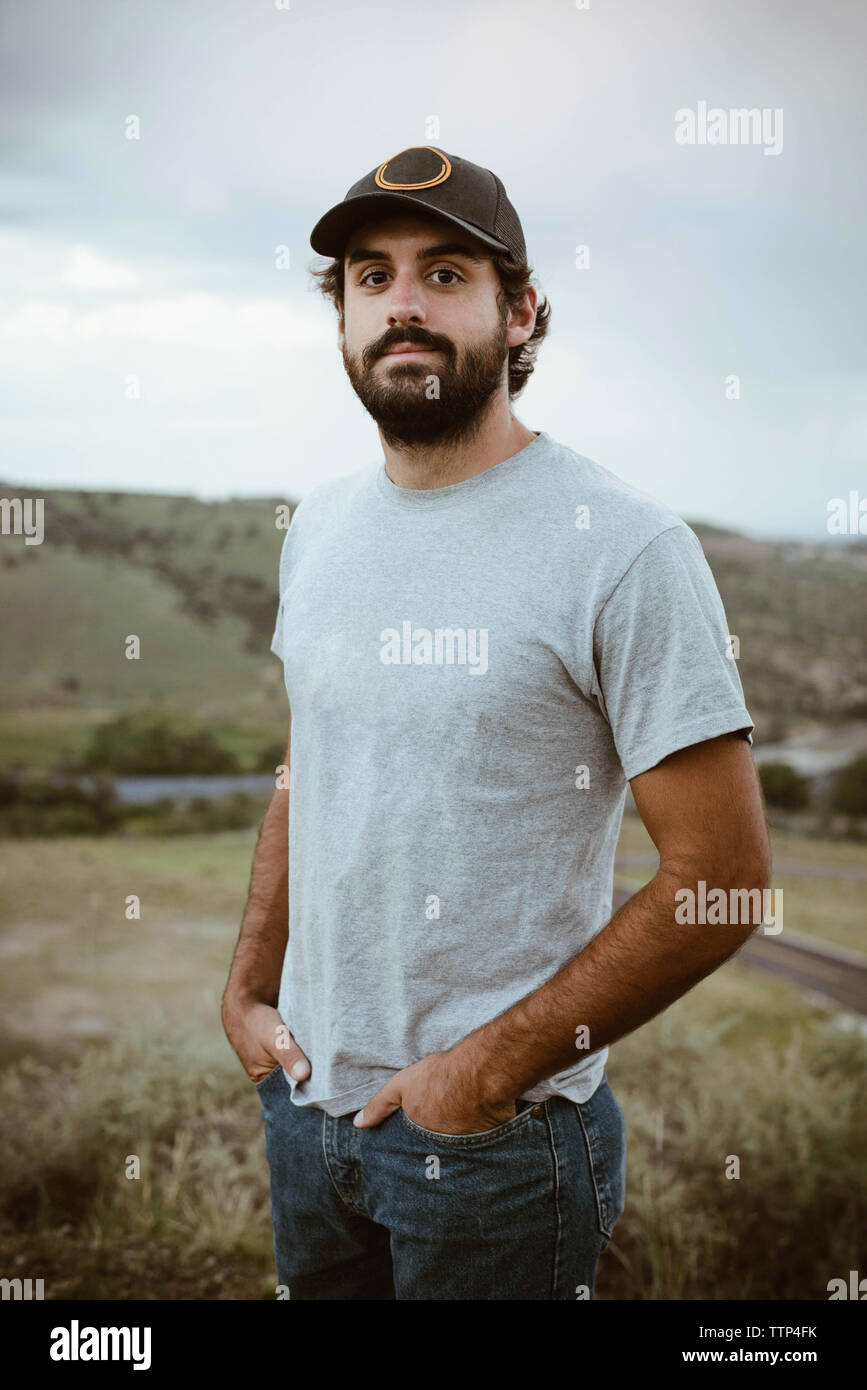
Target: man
[484, 637]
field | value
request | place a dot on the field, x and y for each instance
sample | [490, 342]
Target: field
[112, 1047]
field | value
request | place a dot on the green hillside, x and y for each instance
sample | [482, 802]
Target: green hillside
[800, 612]
[196, 582]
[68, 617]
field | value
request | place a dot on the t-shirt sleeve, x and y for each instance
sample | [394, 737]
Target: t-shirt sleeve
[663, 676]
[285, 562]
[277, 638]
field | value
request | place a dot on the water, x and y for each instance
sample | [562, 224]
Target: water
[820, 753]
[139, 791]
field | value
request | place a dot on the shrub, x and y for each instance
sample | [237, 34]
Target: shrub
[42, 806]
[133, 745]
[849, 793]
[783, 786]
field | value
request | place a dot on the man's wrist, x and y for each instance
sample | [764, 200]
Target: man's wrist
[474, 1073]
[239, 999]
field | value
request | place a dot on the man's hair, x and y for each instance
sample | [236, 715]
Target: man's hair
[515, 280]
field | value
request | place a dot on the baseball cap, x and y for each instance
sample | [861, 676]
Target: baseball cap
[422, 178]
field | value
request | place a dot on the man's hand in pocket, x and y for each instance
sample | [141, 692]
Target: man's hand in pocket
[262, 1041]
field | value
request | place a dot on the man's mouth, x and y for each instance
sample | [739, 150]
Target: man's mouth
[407, 350]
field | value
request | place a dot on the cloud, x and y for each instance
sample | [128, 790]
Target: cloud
[207, 321]
[88, 271]
[155, 257]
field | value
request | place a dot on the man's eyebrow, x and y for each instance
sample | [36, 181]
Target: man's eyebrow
[427, 253]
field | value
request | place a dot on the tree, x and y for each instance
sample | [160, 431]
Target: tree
[783, 786]
[849, 793]
[141, 745]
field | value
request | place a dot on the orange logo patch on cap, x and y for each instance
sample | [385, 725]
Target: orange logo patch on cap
[382, 182]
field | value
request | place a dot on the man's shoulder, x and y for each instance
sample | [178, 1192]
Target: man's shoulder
[609, 510]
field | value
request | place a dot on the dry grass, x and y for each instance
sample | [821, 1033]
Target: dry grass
[113, 1047]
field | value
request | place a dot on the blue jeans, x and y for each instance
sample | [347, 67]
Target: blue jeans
[521, 1211]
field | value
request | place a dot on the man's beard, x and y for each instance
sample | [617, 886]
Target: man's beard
[409, 409]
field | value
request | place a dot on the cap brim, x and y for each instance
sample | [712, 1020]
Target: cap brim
[331, 233]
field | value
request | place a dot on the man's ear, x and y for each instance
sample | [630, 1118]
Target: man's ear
[524, 318]
[341, 332]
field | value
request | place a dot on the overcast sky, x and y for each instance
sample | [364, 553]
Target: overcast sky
[155, 258]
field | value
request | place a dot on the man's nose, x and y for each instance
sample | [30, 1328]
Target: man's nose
[406, 301]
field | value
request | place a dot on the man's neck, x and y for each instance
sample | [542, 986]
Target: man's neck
[434, 465]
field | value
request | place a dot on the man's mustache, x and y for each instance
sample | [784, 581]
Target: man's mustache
[375, 351]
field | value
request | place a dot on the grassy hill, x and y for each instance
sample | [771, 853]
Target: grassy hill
[800, 612]
[197, 583]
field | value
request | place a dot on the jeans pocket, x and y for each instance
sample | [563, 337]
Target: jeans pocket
[604, 1127]
[260, 1085]
[466, 1141]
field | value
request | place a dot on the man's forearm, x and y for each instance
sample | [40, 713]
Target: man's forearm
[639, 963]
[258, 959]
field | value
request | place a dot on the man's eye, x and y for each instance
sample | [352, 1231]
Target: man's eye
[440, 270]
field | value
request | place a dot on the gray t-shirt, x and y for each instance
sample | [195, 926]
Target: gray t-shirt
[474, 672]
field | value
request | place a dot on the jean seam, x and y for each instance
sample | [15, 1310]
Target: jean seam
[347, 1202]
[559, 1233]
[586, 1123]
